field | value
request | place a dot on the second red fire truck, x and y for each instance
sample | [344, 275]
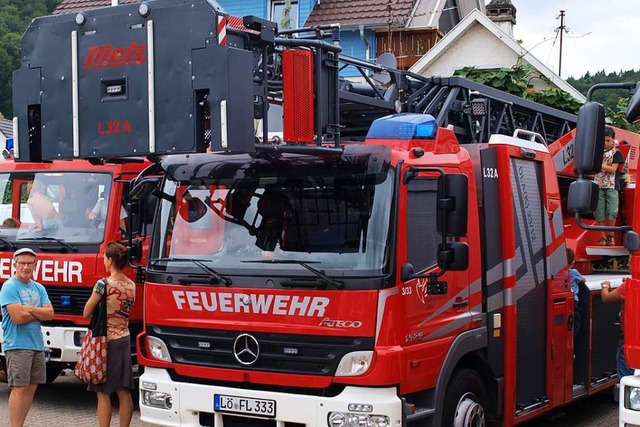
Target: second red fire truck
[90, 205]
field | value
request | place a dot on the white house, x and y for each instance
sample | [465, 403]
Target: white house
[479, 42]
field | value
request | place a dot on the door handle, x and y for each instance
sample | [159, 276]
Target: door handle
[459, 302]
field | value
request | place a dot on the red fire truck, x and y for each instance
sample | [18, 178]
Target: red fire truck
[582, 198]
[417, 277]
[90, 203]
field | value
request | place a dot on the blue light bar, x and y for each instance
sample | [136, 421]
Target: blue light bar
[404, 126]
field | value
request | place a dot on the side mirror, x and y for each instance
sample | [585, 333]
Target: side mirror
[136, 213]
[134, 251]
[631, 241]
[589, 143]
[406, 272]
[583, 196]
[633, 111]
[452, 205]
[453, 256]
[144, 188]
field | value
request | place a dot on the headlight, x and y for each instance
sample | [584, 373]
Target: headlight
[632, 398]
[156, 399]
[353, 364]
[158, 349]
[350, 419]
[78, 336]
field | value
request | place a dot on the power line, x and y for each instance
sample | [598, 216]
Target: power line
[551, 50]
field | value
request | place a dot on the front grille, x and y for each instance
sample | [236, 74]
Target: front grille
[77, 298]
[293, 354]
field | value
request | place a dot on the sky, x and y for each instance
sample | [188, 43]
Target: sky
[602, 35]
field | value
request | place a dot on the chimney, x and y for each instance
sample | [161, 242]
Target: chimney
[503, 13]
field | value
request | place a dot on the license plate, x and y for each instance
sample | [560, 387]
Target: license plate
[244, 405]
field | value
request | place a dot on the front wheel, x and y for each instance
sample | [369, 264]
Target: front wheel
[52, 373]
[465, 401]
[3, 370]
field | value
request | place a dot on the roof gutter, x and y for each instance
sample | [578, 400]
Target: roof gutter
[364, 40]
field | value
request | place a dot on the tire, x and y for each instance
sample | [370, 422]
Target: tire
[3, 370]
[52, 373]
[465, 401]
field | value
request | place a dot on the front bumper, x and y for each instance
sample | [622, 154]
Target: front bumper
[628, 417]
[191, 402]
[60, 343]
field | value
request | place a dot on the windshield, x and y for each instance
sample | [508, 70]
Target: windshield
[68, 207]
[334, 217]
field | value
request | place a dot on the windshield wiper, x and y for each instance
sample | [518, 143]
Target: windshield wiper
[200, 263]
[326, 280]
[53, 239]
[7, 242]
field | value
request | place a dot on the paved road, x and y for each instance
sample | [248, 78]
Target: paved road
[67, 403]
[597, 411]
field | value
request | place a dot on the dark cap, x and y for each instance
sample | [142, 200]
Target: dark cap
[22, 252]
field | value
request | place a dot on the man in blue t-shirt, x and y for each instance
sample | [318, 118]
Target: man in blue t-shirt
[24, 304]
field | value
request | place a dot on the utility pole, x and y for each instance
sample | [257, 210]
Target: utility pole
[562, 29]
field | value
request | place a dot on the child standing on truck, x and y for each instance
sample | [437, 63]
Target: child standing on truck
[607, 209]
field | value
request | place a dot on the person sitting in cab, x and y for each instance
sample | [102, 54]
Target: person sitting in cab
[45, 216]
[196, 230]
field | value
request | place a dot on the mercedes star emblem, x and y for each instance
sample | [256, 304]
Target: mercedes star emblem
[246, 349]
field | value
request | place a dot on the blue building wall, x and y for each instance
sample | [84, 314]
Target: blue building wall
[350, 40]
[304, 9]
[244, 7]
[261, 7]
[353, 45]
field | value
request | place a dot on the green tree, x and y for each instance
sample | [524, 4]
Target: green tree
[517, 81]
[15, 17]
[614, 101]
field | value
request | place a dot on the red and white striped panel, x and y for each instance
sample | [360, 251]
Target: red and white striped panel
[236, 22]
[222, 30]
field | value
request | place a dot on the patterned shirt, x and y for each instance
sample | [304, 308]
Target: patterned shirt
[120, 299]
[608, 179]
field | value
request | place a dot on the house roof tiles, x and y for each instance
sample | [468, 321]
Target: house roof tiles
[368, 12]
[346, 12]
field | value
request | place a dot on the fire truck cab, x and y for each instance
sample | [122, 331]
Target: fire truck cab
[89, 210]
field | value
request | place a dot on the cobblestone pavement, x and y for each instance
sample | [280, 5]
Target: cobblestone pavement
[67, 403]
[597, 411]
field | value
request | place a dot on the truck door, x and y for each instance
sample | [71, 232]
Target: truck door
[525, 323]
[430, 318]
[531, 290]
